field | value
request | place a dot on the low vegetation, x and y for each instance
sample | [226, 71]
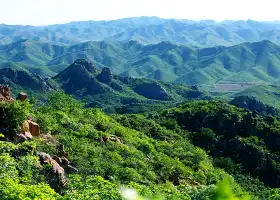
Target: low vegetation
[178, 153]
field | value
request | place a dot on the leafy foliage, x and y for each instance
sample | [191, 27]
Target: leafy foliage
[155, 153]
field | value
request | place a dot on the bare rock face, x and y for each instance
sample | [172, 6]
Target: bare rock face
[5, 93]
[22, 96]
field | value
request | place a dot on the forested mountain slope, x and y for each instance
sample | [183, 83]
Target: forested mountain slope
[247, 62]
[101, 88]
[154, 153]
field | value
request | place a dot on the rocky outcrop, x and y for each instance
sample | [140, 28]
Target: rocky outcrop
[152, 91]
[57, 176]
[105, 76]
[5, 93]
[28, 126]
[60, 165]
[22, 96]
[34, 128]
[112, 138]
[28, 130]
[66, 164]
[23, 136]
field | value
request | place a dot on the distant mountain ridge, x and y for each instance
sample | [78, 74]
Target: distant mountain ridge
[147, 30]
[165, 61]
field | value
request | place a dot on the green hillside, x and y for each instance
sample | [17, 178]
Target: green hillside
[102, 88]
[180, 153]
[247, 62]
[268, 94]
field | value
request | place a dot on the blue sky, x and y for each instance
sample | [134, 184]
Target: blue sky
[43, 12]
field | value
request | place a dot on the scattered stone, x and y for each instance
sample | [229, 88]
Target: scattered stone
[49, 139]
[116, 139]
[21, 137]
[192, 182]
[65, 163]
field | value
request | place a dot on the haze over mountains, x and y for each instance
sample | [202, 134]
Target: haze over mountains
[148, 30]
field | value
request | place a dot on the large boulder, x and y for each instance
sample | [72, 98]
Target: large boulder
[34, 128]
[28, 126]
[22, 96]
[5, 93]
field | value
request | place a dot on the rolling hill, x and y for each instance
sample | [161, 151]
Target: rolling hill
[165, 61]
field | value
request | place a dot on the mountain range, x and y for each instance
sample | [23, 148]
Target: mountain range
[99, 88]
[165, 61]
[147, 30]
[161, 134]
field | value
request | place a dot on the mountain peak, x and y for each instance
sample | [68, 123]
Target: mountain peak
[83, 63]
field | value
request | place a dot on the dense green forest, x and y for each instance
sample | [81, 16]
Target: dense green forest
[176, 153]
[164, 61]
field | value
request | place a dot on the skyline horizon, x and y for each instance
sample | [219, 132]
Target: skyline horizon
[135, 17]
